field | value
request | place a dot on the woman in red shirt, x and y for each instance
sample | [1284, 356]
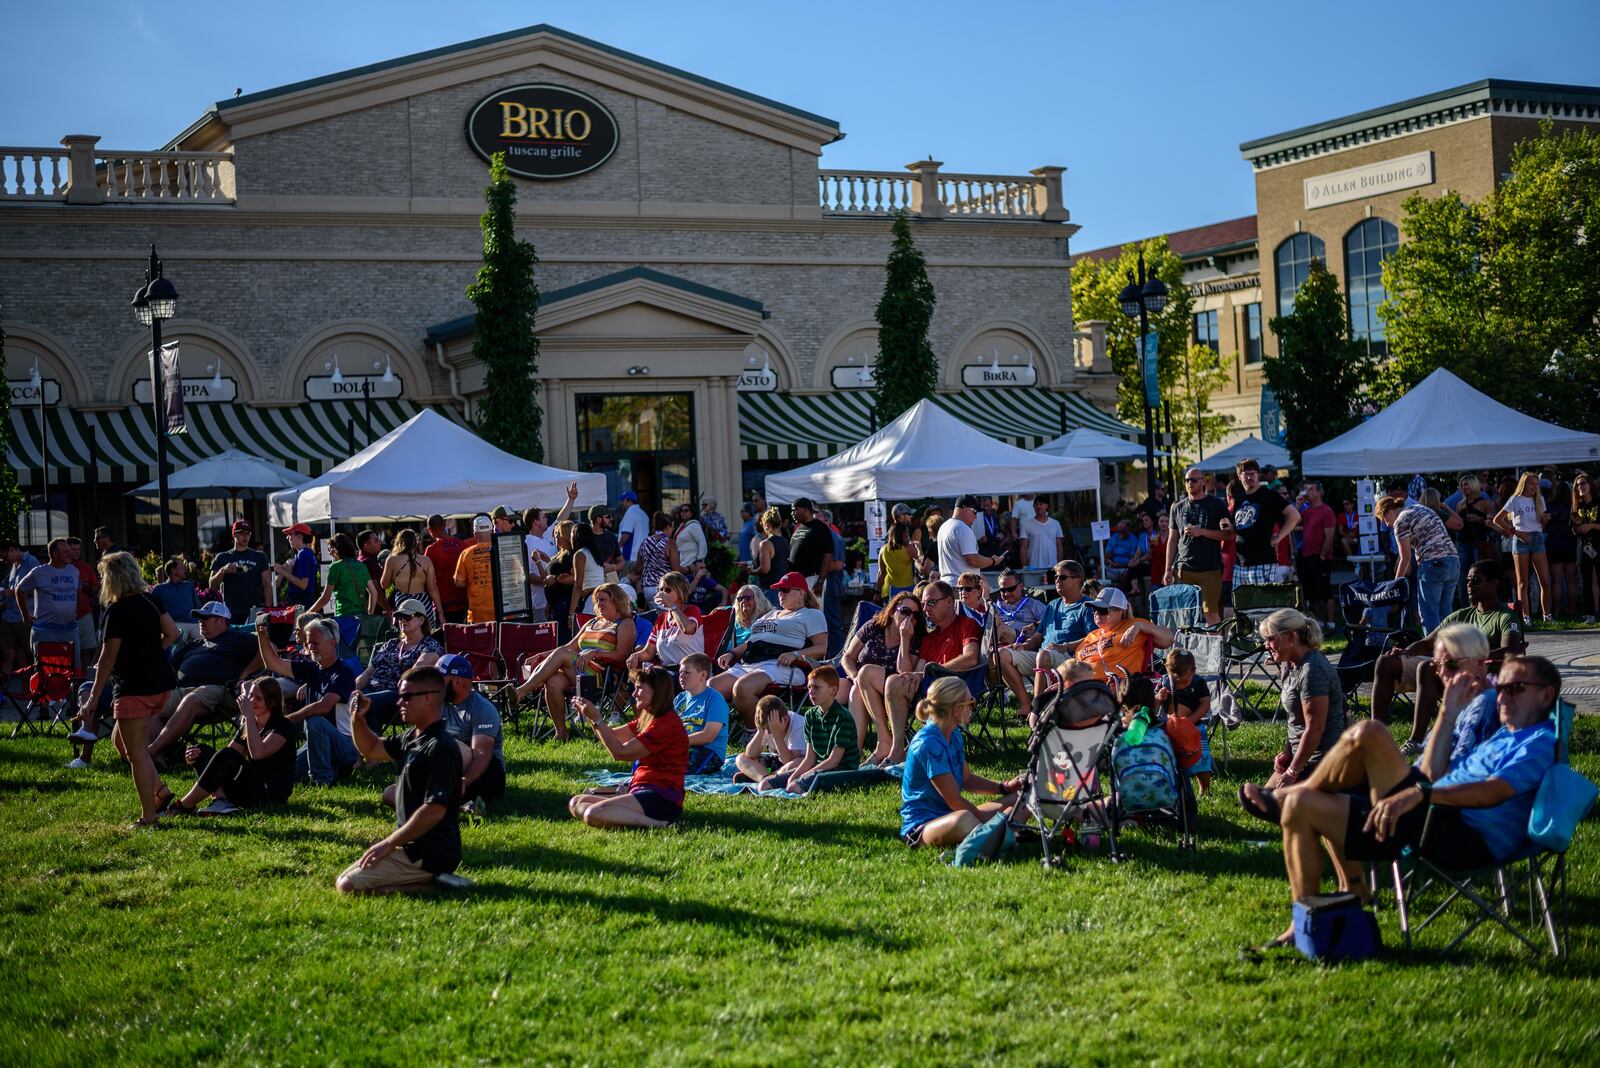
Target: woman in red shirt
[1157, 533]
[658, 744]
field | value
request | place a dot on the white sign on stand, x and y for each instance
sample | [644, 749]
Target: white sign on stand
[877, 534]
[1100, 530]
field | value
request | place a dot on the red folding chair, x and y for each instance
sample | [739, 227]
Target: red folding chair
[716, 624]
[480, 644]
[519, 643]
[49, 689]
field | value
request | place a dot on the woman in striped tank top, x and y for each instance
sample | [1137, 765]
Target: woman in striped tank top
[604, 641]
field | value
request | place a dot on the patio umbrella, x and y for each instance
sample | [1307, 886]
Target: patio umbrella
[1095, 445]
[231, 475]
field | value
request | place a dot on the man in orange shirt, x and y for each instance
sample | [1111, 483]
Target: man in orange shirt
[1120, 645]
[475, 572]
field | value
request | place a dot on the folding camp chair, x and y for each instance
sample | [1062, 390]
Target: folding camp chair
[1492, 891]
[1206, 646]
[517, 644]
[1246, 654]
[48, 687]
[480, 644]
[1177, 607]
[1372, 613]
[990, 725]
[718, 624]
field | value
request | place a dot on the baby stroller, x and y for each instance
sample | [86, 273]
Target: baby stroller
[1081, 772]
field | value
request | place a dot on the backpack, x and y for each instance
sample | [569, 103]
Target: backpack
[1146, 774]
[1185, 739]
[986, 842]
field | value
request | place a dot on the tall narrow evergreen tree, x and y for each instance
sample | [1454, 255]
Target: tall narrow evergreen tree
[906, 370]
[10, 496]
[1319, 374]
[507, 298]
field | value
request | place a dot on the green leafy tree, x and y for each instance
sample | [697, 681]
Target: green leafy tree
[507, 298]
[905, 371]
[10, 497]
[1189, 374]
[1505, 292]
[1319, 375]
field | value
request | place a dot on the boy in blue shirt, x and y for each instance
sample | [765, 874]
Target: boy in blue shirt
[704, 712]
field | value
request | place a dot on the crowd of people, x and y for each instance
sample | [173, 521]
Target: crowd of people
[314, 671]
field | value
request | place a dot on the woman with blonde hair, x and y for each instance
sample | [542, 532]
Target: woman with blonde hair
[932, 810]
[1522, 519]
[769, 555]
[133, 661]
[604, 641]
[1423, 538]
[750, 603]
[1312, 698]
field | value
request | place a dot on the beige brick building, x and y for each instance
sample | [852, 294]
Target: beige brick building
[708, 289]
[1333, 191]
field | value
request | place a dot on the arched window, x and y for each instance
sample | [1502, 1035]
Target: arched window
[1366, 246]
[1294, 258]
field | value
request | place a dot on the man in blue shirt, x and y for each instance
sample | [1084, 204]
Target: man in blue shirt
[747, 532]
[1063, 624]
[1480, 806]
[833, 590]
[13, 631]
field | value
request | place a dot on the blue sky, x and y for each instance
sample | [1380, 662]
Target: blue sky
[1145, 104]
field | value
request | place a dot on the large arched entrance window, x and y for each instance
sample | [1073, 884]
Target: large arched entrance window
[1293, 258]
[1366, 246]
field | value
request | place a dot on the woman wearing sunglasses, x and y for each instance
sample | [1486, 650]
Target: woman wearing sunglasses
[869, 658]
[415, 647]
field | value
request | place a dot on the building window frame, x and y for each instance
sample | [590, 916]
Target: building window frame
[1207, 329]
[1252, 334]
[1292, 265]
[1366, 245]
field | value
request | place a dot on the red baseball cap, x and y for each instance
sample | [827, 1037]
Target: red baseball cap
[792, 581]
[300, 528]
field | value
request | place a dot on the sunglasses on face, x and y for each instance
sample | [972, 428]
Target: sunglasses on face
[1064, 577]
[1193, 478]
[967, 589]
[1516, 686]
[406, 695]
[1101, 611]
[401, 617]
[1010, 589]
[933, 600]
[906, 610]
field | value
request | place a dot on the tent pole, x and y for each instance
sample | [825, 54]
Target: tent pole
[1099, 513]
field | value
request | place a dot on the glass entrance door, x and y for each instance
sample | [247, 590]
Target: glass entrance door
[640, 441]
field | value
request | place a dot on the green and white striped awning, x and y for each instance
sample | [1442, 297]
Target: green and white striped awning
[119, 445]
[796, 426]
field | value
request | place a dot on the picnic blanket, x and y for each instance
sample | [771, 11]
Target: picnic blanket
[722, 782]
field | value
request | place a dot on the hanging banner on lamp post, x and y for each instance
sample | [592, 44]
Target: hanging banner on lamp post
[1149, 366]
[171, 388]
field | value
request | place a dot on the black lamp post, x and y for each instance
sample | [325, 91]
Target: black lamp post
[155, 303]
[1145, 297]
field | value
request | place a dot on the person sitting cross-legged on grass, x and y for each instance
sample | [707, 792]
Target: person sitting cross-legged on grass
[705, 715]
[256, 768]
[830, 737]
[473, 721]
[779, 739]
[1365, 803]
[426, 841]
[659, 746]
[932, 810]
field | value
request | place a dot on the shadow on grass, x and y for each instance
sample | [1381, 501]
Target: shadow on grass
[852, 833]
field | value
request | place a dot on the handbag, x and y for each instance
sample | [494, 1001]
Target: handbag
[1564, 799]
[1334, 927]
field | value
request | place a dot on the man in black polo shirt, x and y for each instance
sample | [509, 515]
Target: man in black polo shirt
[811, 545]
[207, 671]
[426, 842]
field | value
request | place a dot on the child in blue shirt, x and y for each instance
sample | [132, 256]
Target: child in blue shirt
[704, 712]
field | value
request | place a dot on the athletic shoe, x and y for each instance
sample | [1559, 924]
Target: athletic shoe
[1410, 748]
[78, 764]
[83, 734]
[220, 806]
[451, 881]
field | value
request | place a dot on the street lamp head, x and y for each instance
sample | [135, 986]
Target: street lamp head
[1129, 297]
[1155, 294]
[162, 296]
[141, 305]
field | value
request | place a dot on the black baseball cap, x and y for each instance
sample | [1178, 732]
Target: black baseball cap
[967, 500]
[804, 502]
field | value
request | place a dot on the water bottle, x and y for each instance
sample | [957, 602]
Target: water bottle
[1141, 724]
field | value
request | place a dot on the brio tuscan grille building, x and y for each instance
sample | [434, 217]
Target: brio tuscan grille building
[1334, 191]
[707, 290]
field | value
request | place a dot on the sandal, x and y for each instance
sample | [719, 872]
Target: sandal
[164, 797]
[176, 807]
[153, 821]
[1258, 954]
[1267, 809]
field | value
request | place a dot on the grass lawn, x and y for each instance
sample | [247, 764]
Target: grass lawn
[756, 932]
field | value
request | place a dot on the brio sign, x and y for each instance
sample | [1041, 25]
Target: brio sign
[546, 131]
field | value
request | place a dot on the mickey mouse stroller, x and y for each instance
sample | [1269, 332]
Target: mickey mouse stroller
[1084, 781]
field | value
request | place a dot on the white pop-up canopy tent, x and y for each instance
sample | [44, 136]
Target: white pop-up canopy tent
[424, 466]
[1095, 444]
[928, 452]
[1443, 424]
[1251, 448]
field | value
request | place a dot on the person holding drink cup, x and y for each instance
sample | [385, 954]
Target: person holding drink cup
[658, 744]
[677, 632]
[256, 768]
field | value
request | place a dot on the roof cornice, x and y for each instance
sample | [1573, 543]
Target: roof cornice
[505, 53]
[1488, 97]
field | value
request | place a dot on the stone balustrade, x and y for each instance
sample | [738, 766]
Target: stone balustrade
[81, 173]
[929, 193]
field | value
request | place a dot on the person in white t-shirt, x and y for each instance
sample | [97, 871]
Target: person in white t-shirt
[635, 525]
[1042, 537]
[541, 549]
[958, 545]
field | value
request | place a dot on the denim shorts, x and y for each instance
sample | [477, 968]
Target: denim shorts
[1534, 544]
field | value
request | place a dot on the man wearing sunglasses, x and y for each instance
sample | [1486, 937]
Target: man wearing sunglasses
[1365, 803]
[1199, 527]
[426, 842]
[949, 648]
[1055, 631]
